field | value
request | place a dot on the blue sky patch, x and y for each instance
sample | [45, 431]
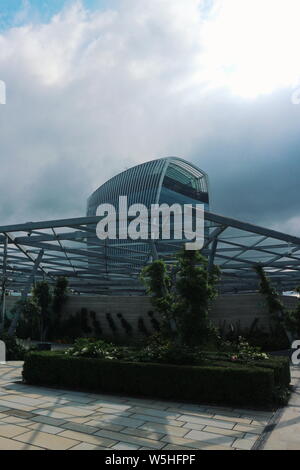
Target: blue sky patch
[18, 12]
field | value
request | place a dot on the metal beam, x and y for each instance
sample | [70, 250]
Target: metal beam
[25, 292]
[4, 280]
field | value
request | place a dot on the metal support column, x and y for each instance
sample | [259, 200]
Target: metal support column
[25, 292]
[3, 299]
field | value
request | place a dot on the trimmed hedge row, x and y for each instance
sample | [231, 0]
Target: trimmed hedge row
[279, 364]
[231, 385]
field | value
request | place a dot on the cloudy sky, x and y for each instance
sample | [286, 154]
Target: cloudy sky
[94, 87]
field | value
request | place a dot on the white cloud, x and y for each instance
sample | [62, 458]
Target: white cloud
[252, 46]
[91, 93]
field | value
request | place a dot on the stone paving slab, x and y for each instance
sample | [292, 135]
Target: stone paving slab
[46, 440]
[286, 433]
[37, 418]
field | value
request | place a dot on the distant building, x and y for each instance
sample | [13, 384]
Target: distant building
[168, 180]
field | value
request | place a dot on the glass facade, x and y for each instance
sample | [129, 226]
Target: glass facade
[169, 180]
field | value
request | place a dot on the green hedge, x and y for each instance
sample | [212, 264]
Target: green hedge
[241, 385]
[279, 364]
[281, 367]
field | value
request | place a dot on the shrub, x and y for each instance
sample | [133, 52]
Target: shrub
[14, 350]
[243, 350]
[274, 339]
[182, 295]
[88, 347]
[39, 316]
[275, 306]
[154, 322]
[28, 325]
[292, 321]
[279, 365]
[231, 384]
[158, 350]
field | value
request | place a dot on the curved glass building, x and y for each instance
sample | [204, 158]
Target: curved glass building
[168, 180]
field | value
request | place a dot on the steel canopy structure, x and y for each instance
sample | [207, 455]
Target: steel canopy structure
[44, 250]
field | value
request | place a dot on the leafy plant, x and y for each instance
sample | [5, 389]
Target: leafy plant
[246, 353]
[28, 325]
[273, 300]
[275, 306]
[165, 351]
[154, 322]
[39, 316]
[59, 298]
[156, 350]
[85, 347]
[42, 296]
[182, 294]
[233, 384]
[14, 350]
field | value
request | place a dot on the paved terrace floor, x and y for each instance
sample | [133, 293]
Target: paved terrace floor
[286, 433]
[36, 418]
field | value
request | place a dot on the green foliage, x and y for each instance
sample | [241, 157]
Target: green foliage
[181, 295]
[247, 353]
[160, 350]
[273, 300]
[14, 350]
[273, 339]
[29, 320]
[39, 316]
[154, 322]
[60, 295]
[42, 297]
[59, 298]
[87, 347]
[276, 307]
[58, 328]
[292, 321]
[74, 326]
[157, 350]
[195, 289]
[158, 284]
[230, 384]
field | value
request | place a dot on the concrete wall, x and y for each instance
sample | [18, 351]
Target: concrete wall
[226, 309]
